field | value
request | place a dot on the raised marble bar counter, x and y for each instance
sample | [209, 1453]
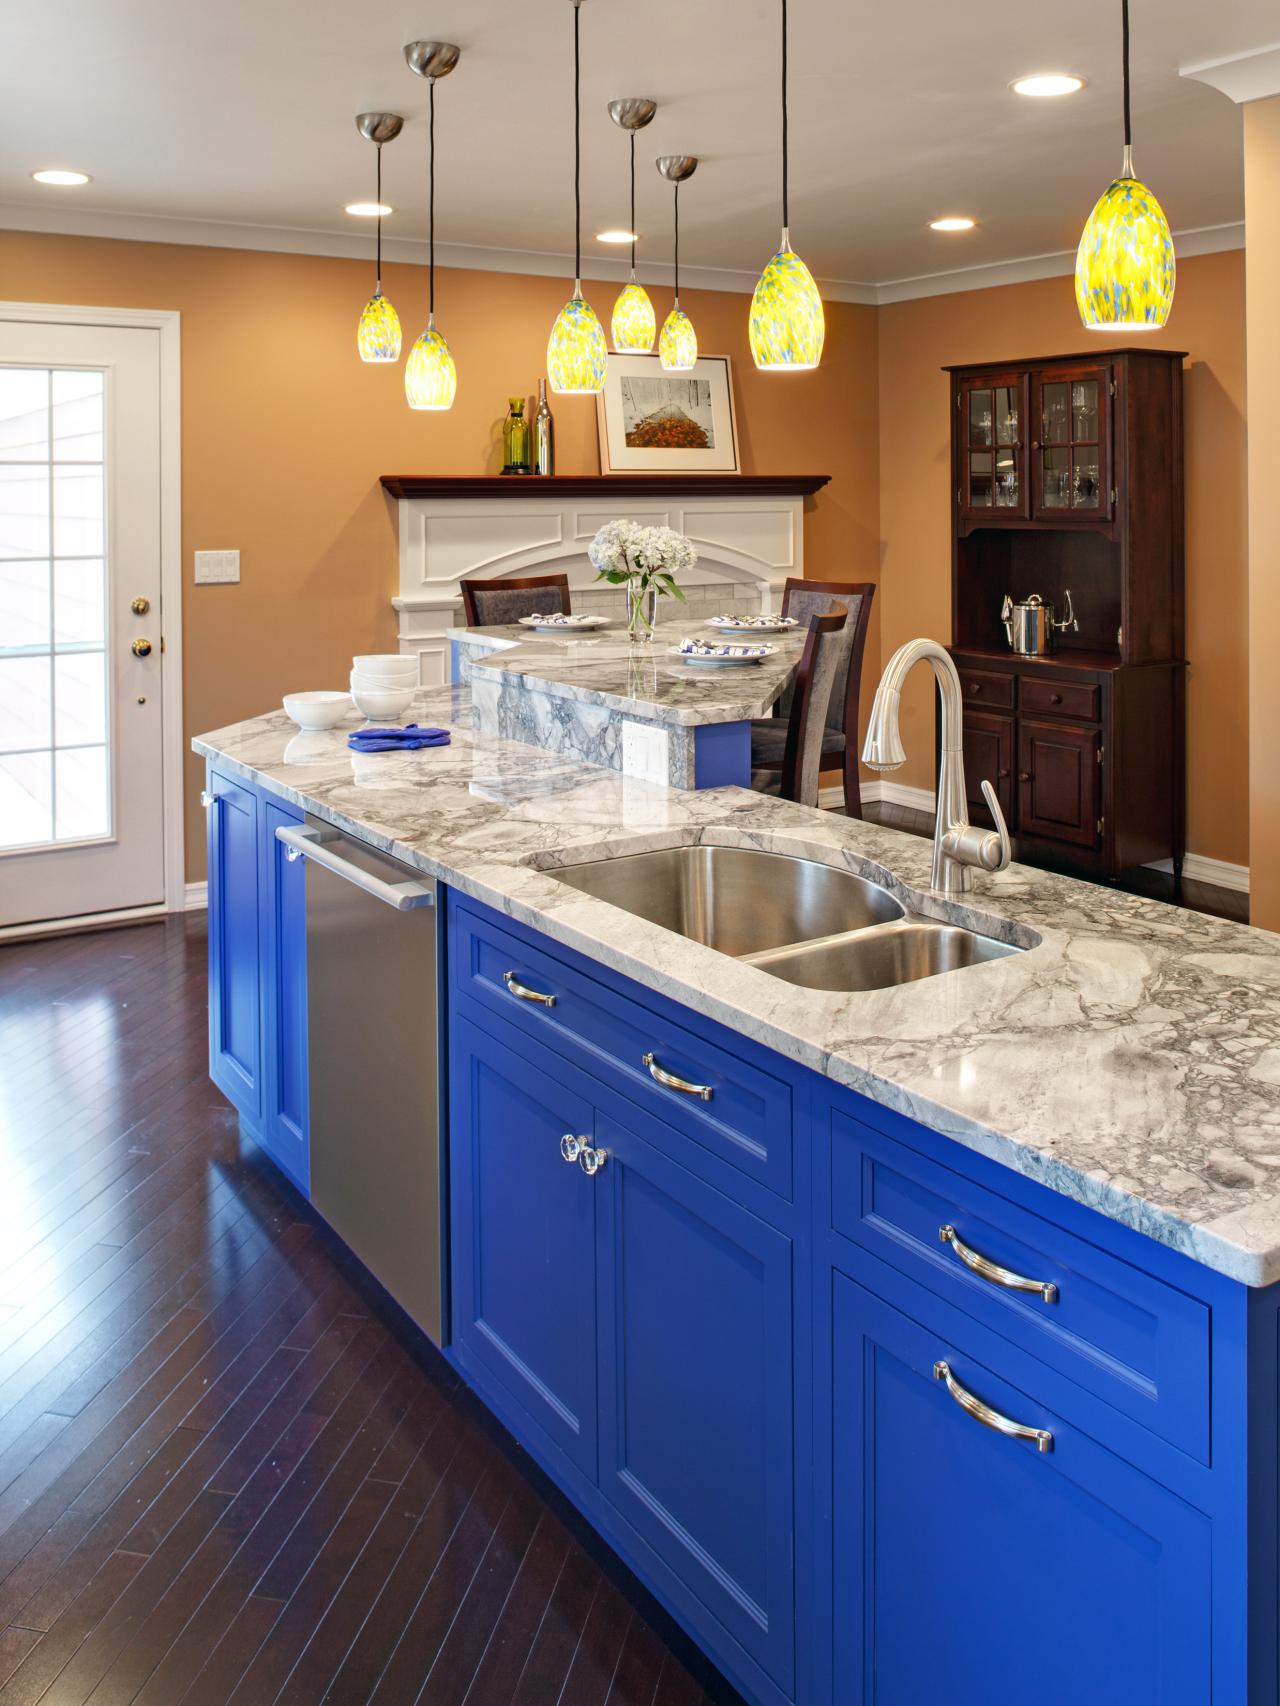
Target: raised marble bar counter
[637, 709]
[1130, 1061]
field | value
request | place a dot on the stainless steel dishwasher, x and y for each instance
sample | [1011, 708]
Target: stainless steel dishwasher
[372, 1015]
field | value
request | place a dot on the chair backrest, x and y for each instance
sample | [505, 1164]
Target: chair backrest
[820, 662]
[489, 604]
[804, 599]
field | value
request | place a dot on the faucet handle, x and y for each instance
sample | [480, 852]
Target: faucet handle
[1003, 849]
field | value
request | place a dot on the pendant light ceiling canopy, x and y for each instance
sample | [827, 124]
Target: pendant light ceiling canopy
[378, 334]
[576, 350]
[1125, 268]
[633, 324]
[787, 326]
[430, 377]
[678, 345]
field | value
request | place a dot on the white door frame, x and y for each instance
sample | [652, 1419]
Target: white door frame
[168, 322]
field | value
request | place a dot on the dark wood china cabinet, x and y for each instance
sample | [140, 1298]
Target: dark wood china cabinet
[1068, 478]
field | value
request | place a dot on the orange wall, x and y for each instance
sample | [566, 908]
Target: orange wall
[1262, 212]
[285, 432]
[917, 338]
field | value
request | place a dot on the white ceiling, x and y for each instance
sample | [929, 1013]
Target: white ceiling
[241, 112]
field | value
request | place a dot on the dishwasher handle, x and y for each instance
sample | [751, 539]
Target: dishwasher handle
[309, 844]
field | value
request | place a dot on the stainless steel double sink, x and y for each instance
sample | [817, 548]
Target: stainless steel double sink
[815, 925]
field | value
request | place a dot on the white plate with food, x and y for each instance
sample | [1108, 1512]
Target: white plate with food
[705, 652]
[753, 624]
[555, 624]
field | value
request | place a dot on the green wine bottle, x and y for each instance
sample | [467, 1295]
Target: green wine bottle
[515, 439]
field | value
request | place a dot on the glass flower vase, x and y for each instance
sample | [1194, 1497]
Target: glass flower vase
[642, 613]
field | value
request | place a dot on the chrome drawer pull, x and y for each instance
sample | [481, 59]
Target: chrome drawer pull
[522, 993]
[670, 1082]
[993, 1271]
[986, 1415]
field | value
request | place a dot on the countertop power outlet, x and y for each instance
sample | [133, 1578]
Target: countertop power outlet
[215, 568]
[645, 751]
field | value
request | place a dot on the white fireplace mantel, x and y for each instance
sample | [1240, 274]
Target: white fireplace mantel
[749, 534]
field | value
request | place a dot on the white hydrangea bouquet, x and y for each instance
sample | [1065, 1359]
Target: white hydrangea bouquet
[646, 561]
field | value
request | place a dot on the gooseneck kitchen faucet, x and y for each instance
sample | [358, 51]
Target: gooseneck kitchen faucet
[957, 845]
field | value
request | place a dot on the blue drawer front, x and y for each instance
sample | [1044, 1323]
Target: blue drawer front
[608, 1030]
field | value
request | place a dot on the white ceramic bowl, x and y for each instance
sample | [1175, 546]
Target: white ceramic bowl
[384, 684]
[316, 710]
[382, 702]
[388, 666]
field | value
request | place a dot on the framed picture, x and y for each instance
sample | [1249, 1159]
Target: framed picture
[652, 422]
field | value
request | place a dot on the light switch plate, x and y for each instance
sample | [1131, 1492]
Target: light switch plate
[215, 568]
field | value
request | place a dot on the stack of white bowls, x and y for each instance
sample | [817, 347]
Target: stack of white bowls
[384, 685]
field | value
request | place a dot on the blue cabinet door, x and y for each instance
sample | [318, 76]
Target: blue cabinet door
[976, 1568]
[523, 1230]
[696, 1388]
[235, 1013]
[284, 996]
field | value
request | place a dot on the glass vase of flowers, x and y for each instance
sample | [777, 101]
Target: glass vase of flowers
[645, 562]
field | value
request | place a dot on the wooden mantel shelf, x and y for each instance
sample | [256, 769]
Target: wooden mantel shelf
[600, 485]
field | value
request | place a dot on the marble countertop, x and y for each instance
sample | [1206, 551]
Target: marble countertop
[1131, 1061]
[601, 668]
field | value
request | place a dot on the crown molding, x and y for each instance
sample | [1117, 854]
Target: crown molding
[293, 240]
[1251, 76]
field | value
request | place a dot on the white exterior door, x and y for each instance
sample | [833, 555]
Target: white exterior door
[81, 754]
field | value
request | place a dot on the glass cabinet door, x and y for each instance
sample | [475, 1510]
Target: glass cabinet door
[991, 443]
[1073, 447]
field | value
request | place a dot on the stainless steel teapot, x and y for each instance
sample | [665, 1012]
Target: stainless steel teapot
[1031, 625]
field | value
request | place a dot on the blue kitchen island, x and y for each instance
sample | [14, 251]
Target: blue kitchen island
[909, 1345]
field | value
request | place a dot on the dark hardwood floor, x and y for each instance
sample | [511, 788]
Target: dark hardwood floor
[230, 1473]
[1155, 885]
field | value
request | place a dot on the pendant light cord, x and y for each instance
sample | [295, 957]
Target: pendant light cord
[677, 265]
[1124, 32]
[633, 205]
[786, 140]
[378, 263]
[431, 205]
[577, 147]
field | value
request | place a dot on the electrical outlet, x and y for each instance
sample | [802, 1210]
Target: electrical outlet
[217, 568]
[646, 751]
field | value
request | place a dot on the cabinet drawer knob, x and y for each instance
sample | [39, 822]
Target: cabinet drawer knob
[523, 993]
[571, 1147]
[208, 799]
[975, 687]
[592, 1160]
[1024, 775]
[986, 1415]
[1055, 698]
[988, 1270]
[1003, 773]
[670, 1082]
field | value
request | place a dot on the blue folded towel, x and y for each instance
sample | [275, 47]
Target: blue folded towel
[408, 738]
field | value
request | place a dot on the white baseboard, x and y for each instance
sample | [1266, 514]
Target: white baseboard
[197, 897]
[1196, 867]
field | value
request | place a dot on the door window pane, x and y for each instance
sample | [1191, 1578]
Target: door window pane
[1085, 486]
[1084, 410]
[1006, 479]
[26, 703]
[1057, 419]
[77, 416]
[980, 487]
[1057, 479]
[24, 606]
[980, 417]
[26, 798]
[77, 510]
[24, 510]
[79, 698]
[80, 801]
[80, 602]
[24, 414]
[1006, 415]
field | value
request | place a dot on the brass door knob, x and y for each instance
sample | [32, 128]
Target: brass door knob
[141, 648]
[140, 606]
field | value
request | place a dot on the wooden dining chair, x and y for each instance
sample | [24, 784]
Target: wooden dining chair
[491, 604]
[840, 743]
[796, 775]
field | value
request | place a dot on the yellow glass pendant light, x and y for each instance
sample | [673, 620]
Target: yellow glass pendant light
[576, 351]
[430, 377]
[633, 325]
[1125, 267]
[678, 345]
[378, 334]
[787, 326]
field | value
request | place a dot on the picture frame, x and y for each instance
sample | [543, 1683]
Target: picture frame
[654, 422]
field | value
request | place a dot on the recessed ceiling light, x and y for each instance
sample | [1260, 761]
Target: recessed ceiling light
[618, 236]
[1042, 85]
[952, 222]
[55, 176]
[368, 209]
